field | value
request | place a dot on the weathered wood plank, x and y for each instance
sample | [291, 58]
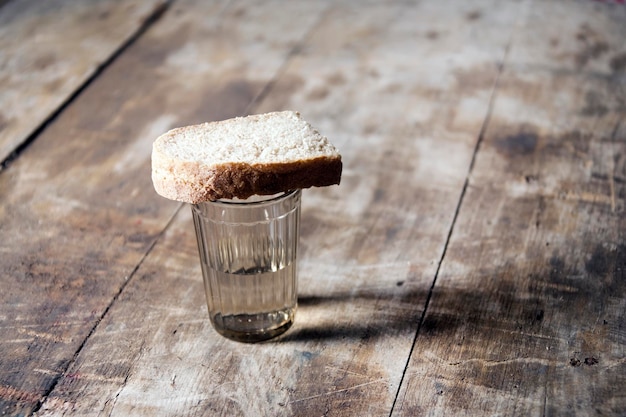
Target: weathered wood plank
[527, 316]
[572, 36]
[49, 49]
[369, 247]
[78, 210]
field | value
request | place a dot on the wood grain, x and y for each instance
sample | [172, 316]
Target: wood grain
[527, 315]
[48, 50]
[471, 262]
[589, 37]
[79, 212]
[370, 247]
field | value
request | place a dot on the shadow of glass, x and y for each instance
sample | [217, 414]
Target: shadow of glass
[360, 315]
[512, 298]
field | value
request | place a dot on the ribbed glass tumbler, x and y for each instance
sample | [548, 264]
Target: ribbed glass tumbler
[248, 254]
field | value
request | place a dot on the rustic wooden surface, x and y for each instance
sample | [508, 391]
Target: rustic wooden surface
[471, 262]
[48, 50]
[527, 314]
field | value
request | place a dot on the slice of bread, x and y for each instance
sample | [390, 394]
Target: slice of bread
[236, 158]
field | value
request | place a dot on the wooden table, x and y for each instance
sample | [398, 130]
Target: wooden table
[472, 261]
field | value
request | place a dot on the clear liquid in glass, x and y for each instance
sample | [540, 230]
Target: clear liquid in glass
[252, 305]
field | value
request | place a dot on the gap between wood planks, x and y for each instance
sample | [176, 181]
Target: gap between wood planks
[152, 19]
[104, 313]
[156, 14]
[479, 141]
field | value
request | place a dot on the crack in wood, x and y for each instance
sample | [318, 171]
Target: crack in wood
[312, 397]
[152, 18]
[481, 134]
[497, 362]
[56, 381]
[457, 210]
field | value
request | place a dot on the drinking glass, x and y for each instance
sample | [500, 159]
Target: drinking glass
[248, 250]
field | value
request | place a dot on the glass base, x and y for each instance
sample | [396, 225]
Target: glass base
[252, 328]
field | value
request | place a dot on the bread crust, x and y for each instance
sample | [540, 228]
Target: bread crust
[194, 181]
[239, 180]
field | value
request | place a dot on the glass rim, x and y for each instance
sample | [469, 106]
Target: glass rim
[271, 198]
